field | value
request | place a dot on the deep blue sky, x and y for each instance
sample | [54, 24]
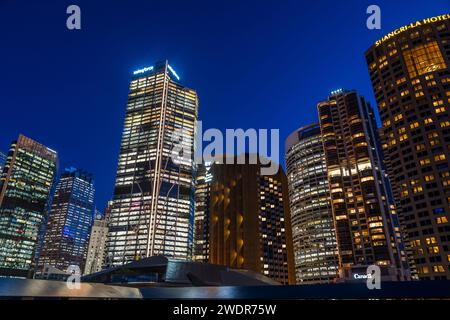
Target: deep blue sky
[255, 64]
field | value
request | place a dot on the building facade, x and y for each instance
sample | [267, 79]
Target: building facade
[2, 161]
[250, 221]
[366, 223]
[409, 70]
[25, 188]
[70, 221]
[153, 204]
[314, 239]
[97, 245]
[200, 251]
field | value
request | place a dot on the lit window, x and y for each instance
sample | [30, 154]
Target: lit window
[440, 109]
[424, 59]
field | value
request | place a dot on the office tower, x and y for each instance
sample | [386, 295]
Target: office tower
[203, 179]
[2, 161]
[250, 221]
[153, 203]
[314, 239]
[409, 70]
[70, 220]
[97, 245]
[25, 186]
[365, 220]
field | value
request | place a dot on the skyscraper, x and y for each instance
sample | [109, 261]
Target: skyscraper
[25, 187]
[203, 179]
[153, 204]
[97, 245]
[365, 220]
[314, 239]
[70, 220]
[409, 70]
[250, 221]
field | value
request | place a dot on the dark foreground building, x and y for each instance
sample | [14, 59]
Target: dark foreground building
[409, 69]
[160, 271]
[250, 221]
[366, 224]
[25, 186]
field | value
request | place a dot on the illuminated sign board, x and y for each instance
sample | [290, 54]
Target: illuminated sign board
[143, 70]
[146, 69]
[358, 276]
[412, 26]
[173, 72]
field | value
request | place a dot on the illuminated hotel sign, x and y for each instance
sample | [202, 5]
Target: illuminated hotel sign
[412, 26]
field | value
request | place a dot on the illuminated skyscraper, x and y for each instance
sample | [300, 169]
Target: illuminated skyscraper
[250, 221]
[153, 204]
[365, 220]
[203, 179]
[409, 69]
[70, 220]
[25, 187]
[314, 239]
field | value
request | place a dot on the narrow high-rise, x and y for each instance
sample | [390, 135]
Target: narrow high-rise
[95, 258]
[314, 239]
[25, 187]
[152, 208]
[200, 251]
[70, 221]
[366, 223]
[249, 225]
[409, 70]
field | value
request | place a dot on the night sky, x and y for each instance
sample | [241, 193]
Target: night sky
[254, 64]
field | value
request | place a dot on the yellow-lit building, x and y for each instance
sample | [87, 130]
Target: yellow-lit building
[409, 70]
[364, 216]
[249, 225]
[314, 238]
[153, 203]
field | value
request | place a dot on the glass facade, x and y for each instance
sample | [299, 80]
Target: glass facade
[411, 81]
[314, 239]
[366, 223]
[25, 186]
[152, 209]
[200, 251]
[70, 220]
[2, 161]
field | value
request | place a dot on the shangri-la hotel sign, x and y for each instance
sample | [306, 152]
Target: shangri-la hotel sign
[412, 26]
